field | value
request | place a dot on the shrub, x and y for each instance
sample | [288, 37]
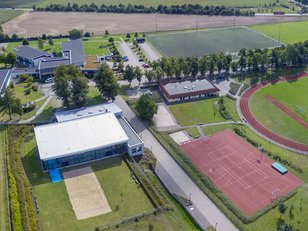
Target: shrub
[34, 88]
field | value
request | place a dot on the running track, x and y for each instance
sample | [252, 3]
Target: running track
[244, 107]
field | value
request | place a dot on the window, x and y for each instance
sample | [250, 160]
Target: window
[134, 150]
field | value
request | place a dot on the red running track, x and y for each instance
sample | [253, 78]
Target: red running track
[244, 107]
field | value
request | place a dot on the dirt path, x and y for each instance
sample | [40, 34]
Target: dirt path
[53, 23]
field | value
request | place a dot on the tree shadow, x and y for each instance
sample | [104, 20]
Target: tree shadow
[279, 222]
[291, 214]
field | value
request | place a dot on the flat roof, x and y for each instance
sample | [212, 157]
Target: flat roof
[76, 136]
[87, 111]
[5, 76]
[134, 139]
[75, 47]
[188, 86]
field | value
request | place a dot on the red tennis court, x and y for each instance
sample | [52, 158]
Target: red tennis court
[239, 170]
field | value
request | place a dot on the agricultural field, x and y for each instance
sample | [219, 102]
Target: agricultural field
[252, 3]
[7, 15]
[293, 32]
[202, 42]
[55, 23]
[19, 3]
[292, 95]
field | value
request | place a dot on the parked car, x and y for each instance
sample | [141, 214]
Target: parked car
[145, 65]
[125, 58]
[49, 80]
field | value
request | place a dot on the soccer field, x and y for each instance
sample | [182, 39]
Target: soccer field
[288, 94]
[202, 42]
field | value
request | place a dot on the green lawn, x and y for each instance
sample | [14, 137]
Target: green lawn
[291, 32]
[193, 132]
[3, 192]
[289, 94]
[7, 15]
[252, 3]
[19, 90]
[203, 111]
[94, 97]
[192, 43]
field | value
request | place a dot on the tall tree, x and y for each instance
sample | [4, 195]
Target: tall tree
[50, 41]
[10, 103]
[203, 65]
[10, 58]
[194, 66]
[138, 74]
[61, 85]
[75, 34]
[129, 74]
[79, 90]
[146, 107]
[107, 82]
[40, 43]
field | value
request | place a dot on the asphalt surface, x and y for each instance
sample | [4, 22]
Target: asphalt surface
[152, 54]
[202, 203]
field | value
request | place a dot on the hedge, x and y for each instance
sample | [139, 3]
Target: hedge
[22, 211]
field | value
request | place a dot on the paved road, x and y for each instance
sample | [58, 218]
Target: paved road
[132, 57]
[149, 51]
[206, 207]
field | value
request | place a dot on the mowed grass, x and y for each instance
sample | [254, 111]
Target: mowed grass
[289, 94]
[202, 42]
[7, 15]
[252, 3]
[203, 111]
[3, 192]
[292, 32]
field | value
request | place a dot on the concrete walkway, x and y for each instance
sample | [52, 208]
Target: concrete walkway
[207, 208]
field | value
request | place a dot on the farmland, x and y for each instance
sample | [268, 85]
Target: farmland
[289, 94]
[19, 3]
[286, 32]
[6, 15]
[54, 23]
[199, 43]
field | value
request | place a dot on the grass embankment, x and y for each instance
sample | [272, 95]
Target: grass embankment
[291, 32]
[289, 94]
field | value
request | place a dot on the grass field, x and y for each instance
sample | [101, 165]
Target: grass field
[19, 3]
[6, 15]
[252, 3]
[3, 192]
[289, 32]
[199, 43]
[203, 111]
[289, 94]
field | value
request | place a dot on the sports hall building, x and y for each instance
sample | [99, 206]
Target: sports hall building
[86, 135]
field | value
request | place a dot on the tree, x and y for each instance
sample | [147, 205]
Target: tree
[203, 65]
[87, 34]
[50, 41]
[40, 43]
[44, 36]
[128, 35]
[138, 74]
[106, 32]
[285, 227]
[17, 107]
[146, 107]
[111, 39]
[61, 85]
[25, 42]
[107, 82]
[3, 58]
[136, 35]
[282, 207]
[149, 74]
[194, 66]
[129, 74]
[79, 90]
[121, 66]
[159, 73]
[75, 34]
[10, 103]
[10, 58]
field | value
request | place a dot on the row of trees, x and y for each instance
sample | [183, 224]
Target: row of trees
[162, 9]
[256, 61]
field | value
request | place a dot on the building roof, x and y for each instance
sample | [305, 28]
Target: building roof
[75, 50]
[183, 88]
[88, 111]
[28, 70]
[77, 136]
[30, 53]
[5, 76]
[134, 139]
[54, 63]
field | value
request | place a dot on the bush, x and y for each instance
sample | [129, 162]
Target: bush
[35, 88]
[27, 91]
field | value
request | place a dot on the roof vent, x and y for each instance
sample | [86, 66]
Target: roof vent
[185, 87]
[79, 114]
[90, 112]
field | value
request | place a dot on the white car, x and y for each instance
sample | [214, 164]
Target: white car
[49, 80]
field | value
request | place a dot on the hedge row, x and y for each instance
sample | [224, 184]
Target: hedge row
[276, 157]
[21, 203]
[162, 9]
[156, 198]
[223, 110]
